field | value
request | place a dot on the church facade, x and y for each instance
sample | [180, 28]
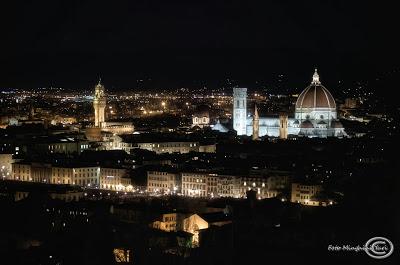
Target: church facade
[315, 115]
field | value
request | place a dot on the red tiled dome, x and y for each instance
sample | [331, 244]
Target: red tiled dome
[315, 96]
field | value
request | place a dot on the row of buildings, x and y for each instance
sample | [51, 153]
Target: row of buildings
[85, 175]
[159, 145]
[211, 185]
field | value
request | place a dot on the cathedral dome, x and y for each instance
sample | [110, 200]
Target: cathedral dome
[315, 96]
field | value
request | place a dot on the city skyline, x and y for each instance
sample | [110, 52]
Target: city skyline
[219, 132]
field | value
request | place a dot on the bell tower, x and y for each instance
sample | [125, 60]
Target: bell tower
[239, 110]
[283, 126]
[99, 104]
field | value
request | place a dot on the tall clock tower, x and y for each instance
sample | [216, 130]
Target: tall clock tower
[99, 104]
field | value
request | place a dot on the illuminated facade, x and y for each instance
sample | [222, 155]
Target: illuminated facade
[315, 115]
[21, 171]
[163, 182]
[264, 187]
[240, 110]
[193, 224]
[114, 179]
[6, 161]
[201, 117]
[194, 184]
[122, 255]
[305, 194]
[76, 175]
[99, 104]
[212, 185]
[167, 222]
[256, 124]
[190, 223]
[283, 126]
[182, 147]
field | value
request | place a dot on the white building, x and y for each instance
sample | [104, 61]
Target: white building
[315, 115]
[240, 110]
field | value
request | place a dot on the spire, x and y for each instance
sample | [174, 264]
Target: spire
[256, 124]
[99, 84]
[315, 78]
[256, 112]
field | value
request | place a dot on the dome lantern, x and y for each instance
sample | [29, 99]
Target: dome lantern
[315, 78]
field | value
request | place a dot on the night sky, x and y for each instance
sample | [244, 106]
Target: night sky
[183, 43]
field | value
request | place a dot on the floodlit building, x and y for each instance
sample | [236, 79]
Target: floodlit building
[99, 105]
[114, 179]
[166, 222]
[21, 171]
[193, 224]
[305, 194]
[194, 184]
[172, 222]
[41, 172]
[73, 174]
[240, 110]
[6, 160]
[315, 115]
[170, 147]
[86, 176]
[201, 117]
[227, 186]
[163, 182]
[180, 147]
